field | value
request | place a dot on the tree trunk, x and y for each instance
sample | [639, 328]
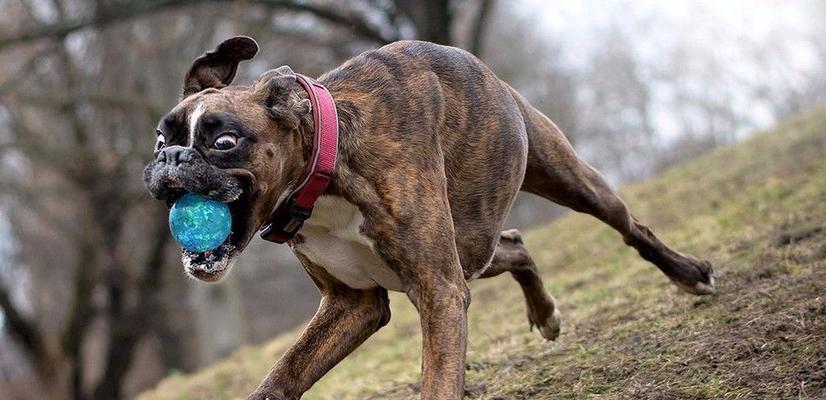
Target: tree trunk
[433, 19]
[477, 35]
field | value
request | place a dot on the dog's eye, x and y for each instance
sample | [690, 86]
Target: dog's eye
[225, 141]
[160, 142]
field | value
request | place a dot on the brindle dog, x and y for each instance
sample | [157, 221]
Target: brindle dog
[433, 149]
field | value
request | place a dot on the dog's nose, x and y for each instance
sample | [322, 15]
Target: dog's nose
[175, 155]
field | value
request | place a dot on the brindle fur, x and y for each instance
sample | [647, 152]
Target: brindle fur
[433, 150]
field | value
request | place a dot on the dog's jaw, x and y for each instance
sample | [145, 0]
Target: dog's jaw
[209, 266]
[213, 265]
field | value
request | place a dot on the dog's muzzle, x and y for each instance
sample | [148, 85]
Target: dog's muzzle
[177, 170]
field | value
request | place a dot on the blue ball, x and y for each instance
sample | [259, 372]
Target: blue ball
[199, 224]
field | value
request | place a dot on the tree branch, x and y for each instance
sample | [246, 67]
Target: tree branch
[116, 101]
[121, 11]
[82, 310]
[25, 142]
[129, 327]
[355, 23]
[125, 10]
[432, 19]
[477, 36]
[25, 71]
[33, 197]
[25, 331]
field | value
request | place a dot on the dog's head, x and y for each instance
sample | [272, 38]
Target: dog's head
[240, 145]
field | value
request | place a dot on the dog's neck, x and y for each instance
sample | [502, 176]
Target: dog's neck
[349, 122]
[300, 152]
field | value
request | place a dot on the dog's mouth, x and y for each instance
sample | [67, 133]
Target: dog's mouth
[233, 186]
[212, 265]
[209, 266]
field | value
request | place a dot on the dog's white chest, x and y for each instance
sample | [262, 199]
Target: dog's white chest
[332, 239]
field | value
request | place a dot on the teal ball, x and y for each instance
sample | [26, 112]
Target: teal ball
[199, 224]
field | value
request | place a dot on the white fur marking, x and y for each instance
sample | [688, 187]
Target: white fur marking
[193, 122]
[333, 241]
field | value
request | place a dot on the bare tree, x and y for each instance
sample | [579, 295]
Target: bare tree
[432, 20]
[84, 78]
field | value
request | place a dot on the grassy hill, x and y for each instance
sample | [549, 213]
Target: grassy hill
[757, 210]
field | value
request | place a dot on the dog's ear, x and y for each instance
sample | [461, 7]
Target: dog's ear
[217, 68]
[281, 93]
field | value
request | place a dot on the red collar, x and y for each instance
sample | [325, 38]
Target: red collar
[289, 217]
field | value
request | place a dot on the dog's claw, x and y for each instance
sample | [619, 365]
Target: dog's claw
[698, 288]
[693, 275]
[549, 329]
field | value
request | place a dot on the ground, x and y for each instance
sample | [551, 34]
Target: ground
[756, 209]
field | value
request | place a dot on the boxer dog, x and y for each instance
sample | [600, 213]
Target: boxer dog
[432, 150]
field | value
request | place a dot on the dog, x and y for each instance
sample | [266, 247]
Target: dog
[432, 150]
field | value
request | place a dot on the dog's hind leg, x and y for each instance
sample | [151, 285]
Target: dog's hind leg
[512, 256]
[555, 172]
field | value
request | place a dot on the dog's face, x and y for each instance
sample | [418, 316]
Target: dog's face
[238, 145]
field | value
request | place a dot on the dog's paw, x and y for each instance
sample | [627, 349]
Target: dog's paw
[511, 235]
[549, 327]
[694, 276]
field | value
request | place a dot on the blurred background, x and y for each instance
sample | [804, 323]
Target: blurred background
[94, 303]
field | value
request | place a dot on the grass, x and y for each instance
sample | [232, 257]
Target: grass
[756, 209]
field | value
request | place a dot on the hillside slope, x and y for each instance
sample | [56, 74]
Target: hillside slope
[757, 210]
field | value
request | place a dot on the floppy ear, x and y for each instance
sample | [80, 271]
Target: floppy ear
[217, 68]
[280, 92]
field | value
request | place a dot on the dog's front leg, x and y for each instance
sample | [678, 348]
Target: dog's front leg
[442, 309]
[440, 293]
[416, 238]
[345, 318]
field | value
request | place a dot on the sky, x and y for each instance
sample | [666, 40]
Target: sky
[727, 30]
[755, 19]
